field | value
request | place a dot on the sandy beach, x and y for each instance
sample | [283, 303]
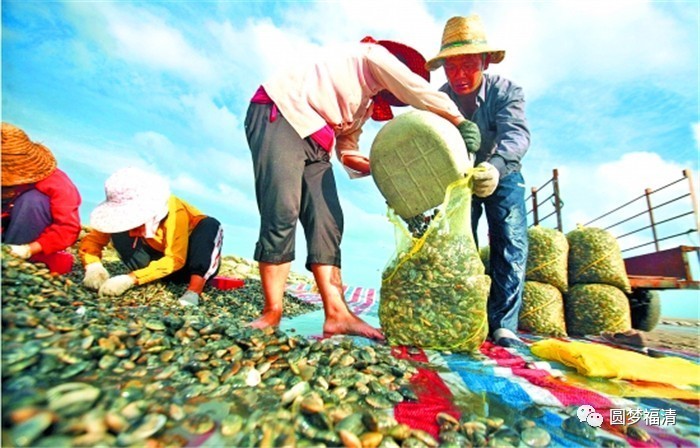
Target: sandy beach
[676, 334]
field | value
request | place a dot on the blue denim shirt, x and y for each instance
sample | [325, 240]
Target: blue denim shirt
[500, 115]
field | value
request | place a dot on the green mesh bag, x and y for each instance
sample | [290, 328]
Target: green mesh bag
[595, 257]
[594, 308]
[413, 159]
[542, 311]
[434, 290]
[485, 255]
[547, 257]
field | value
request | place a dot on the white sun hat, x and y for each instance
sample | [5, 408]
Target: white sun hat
[134, 197]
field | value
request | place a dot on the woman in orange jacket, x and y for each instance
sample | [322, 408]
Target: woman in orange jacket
[156, 234]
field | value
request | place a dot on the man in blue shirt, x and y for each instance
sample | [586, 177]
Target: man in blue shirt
[497, 107]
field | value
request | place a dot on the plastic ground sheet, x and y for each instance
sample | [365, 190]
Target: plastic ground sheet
[504, 382]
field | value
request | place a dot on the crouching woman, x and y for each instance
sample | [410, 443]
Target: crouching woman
[156, 235]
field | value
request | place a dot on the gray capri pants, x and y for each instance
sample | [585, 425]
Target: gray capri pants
[293, 181]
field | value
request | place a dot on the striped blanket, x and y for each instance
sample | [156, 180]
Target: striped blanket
[507, 381]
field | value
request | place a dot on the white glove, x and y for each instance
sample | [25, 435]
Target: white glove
[485, 180]
[116, 285]
[95, 275]
[189, 298]
[22, 251]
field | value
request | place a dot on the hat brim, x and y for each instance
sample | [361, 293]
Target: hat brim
[411, 58]
[36, 162]
[437, 62]
[109, 217]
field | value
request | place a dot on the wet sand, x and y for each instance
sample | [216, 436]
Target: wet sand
[676, 334]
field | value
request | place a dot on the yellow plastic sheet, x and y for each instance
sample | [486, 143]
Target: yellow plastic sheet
[595, 360]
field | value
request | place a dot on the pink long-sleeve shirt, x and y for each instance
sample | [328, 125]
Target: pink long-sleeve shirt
[338, 90]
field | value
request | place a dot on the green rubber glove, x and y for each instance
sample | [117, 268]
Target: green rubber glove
[470, 135]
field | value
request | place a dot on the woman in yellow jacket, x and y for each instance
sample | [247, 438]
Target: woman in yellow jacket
[156, 234]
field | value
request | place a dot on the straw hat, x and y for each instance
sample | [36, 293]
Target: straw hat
[464, 35]
[413, 60]
[23, 161]
[134, 197]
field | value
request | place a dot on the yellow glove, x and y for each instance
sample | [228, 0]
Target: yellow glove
[22, 251]
[486, 180]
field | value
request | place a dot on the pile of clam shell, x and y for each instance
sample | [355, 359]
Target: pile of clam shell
[141, 370]
[475, 431]
[81, 370]
[436, 297]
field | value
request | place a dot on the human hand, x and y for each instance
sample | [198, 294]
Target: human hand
[116, 285]
[470, 134]
[485, 179]
[95, 275]
[356, 162]
[22, 251]
[189, 298]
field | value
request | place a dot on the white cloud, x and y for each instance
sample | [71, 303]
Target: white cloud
[591, 191]
[98, 157]
[154, 141]
[238, 202]
[262, 47]
[231, 201]
[186, 183]
[549, 42]
[696, 134]
[141, 36]
[216, 123]
[231, 166]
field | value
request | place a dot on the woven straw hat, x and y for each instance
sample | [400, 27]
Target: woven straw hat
[134, 197]
[23, 161]
[464, 35]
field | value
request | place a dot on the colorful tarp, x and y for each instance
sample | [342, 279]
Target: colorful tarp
[506, 381]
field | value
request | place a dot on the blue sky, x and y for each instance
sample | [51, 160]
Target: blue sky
[611, 89]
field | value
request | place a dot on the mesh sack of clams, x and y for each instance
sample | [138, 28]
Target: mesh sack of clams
[547, 257]
[594, 308]
[413, 159]
[595, 257]
[485, 255]
[434, 290]
[542, 311]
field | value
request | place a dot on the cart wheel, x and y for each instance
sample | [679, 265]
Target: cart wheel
[645, 307]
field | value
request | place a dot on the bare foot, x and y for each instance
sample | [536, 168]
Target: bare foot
[268, 319]
[353, 326]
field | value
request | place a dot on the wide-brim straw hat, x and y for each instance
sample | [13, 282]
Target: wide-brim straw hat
[23, 161]
[134, 197]
[464, 35]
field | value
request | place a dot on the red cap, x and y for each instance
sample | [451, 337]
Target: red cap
[412, 59]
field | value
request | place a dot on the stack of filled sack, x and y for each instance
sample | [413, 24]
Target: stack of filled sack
[546, 281]
[596, 301]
